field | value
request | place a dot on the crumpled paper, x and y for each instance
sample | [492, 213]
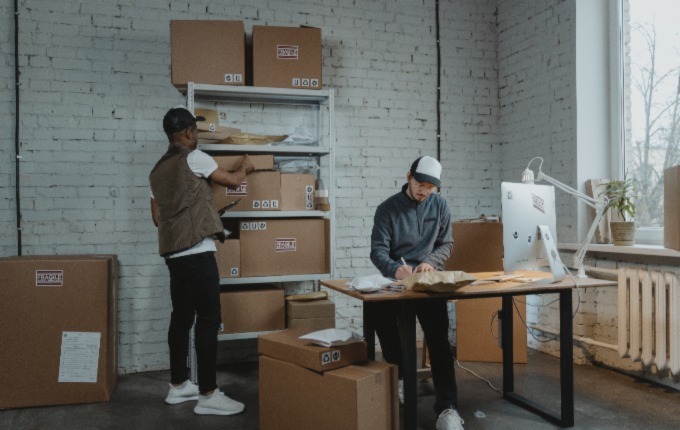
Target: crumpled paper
[437, 282]
[370, 283]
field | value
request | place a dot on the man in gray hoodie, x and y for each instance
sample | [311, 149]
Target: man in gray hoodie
[411, 234]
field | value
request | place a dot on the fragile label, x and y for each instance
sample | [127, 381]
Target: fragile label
[49, 278]
[287, 52]
[285, 244]
[241, 190]
[328, 357]
[79, 360]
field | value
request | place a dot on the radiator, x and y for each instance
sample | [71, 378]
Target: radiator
[649, 318]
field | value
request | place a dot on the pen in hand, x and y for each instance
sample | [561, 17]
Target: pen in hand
[403, 262]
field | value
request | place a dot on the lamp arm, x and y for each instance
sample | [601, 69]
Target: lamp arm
[590, 201]
[580, 254]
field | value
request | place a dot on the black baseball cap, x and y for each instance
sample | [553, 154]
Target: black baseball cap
[179, 118]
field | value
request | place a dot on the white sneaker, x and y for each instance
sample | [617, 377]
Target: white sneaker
[183, 393]
[449, 420]
[217, 404]
[400, 391]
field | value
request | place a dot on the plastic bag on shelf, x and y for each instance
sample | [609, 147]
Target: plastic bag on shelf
[296, 165]
[301, 136]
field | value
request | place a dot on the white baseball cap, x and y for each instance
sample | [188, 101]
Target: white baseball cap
[427, 169]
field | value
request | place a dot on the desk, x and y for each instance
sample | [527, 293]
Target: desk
[504, 290]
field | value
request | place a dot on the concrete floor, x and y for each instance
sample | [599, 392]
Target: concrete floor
[604, 400]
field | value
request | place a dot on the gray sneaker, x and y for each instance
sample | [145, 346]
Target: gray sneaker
[217, 404]
[400, 391]
[183, 393]
[449, 420]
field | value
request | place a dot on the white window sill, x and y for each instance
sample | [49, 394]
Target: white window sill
[638, 253]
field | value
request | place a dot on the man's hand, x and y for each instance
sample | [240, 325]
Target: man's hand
[403, 271]
[424, 267]
[250, 167]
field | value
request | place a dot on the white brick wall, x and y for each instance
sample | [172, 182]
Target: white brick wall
[8, 240]
[536, 80]
[95, 85]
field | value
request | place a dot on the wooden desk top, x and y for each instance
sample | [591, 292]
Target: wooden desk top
[475, 290]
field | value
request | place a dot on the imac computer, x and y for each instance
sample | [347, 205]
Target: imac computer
[529, 227]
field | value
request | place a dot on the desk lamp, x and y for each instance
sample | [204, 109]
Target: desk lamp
[600, 205]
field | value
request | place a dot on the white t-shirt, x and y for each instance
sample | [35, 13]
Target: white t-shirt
[203, 166]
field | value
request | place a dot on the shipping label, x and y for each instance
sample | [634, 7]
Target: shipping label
[287, 52]
[285, 244]
[79, 358]
[49, 278]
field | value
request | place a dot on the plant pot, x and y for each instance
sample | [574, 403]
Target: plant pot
[623, 232]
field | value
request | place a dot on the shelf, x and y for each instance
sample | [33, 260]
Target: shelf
[240, 336]
[271, 279]
[265, 149]
[260, 94]
[276, 214]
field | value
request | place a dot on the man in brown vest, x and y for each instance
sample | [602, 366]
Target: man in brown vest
[188, 224]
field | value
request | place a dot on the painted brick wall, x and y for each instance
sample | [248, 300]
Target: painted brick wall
[95, 84]
[536, 81]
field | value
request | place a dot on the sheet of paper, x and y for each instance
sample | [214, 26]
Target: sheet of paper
[79, 360]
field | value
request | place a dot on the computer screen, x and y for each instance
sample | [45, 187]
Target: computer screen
[525, 207]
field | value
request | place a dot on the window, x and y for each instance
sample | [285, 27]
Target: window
[651, 100]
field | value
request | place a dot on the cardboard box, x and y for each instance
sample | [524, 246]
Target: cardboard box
[207, 52]
[228, 258]
[261, 191]
[671, 208]
[356, 397]
[297, 192]
[255, 309]
[58, 314]
[311, 324]
[311, 315]
[284, 246]
[233, 162]
[478, 247]
[287, 57]
[287, 346]
[222, 196]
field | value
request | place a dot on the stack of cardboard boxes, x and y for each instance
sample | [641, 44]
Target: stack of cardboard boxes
[214, 52]
[305, 386]
[270, 247]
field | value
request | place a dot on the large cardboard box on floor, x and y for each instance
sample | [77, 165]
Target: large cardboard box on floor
[287, 346]
[228, 257]
[59, 338]
[306, 386]
[287, 57]
[478, 247]
[356, 397]
[671, 208]
[272, 247]
[253, 309]
[207, 52]
[310, 314]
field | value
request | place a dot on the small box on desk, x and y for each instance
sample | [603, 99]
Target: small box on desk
[478, 247]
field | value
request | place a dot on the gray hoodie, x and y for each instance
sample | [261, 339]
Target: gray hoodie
[418, 232]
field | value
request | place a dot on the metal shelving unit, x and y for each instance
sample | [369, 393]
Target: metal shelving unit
[316, 100]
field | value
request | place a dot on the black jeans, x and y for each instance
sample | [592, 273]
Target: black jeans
[195, 291]
[434, 320]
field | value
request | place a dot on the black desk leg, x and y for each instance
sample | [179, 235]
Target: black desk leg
[369, 330]
[408, 320]
[507, 345]
[566, 359]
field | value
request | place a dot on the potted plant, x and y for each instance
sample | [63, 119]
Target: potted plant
[622, 224]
